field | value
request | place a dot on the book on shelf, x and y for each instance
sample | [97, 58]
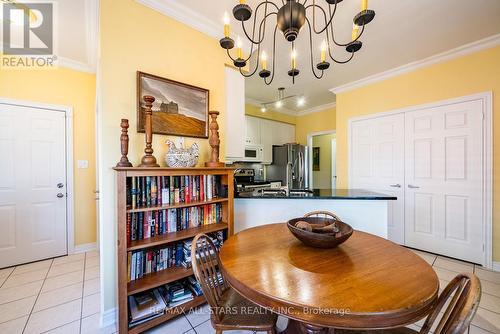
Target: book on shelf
[150, 191]
[144, 225]
[178, 254]
[146, 305]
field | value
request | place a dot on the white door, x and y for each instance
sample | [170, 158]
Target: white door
[334, 163]
[32, 176]
[444, 157]
[377, 164]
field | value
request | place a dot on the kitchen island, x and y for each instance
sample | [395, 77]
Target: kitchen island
[364, 210]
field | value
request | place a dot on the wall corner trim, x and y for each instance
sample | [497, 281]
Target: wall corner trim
[463, 50]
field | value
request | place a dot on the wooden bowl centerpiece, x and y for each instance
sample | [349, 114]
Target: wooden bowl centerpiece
[320, 229]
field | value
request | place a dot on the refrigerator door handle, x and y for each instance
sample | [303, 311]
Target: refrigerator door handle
[301, 168]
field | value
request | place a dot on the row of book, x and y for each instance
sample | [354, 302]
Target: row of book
[154, 303]
[144, 225]
[150, 191]
[143, 262]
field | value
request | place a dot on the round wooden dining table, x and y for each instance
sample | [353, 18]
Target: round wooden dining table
[365, 283]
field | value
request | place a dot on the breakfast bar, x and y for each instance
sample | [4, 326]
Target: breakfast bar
[364, 210]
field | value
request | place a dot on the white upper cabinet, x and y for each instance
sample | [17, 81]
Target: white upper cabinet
[252, 133]
[235, 115]
[284, 133]
[267, 129]
[268, 133]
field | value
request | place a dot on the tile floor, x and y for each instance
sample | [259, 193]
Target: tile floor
[62, 296]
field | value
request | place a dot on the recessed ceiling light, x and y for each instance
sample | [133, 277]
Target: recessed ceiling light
[301, 101]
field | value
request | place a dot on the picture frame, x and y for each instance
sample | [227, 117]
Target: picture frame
[316, 159]
[179, 109]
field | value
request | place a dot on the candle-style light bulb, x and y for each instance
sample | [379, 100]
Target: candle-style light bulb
[324, 47]
[263, 58]
[294, 59]
[355, 30]
[226, 25]
[242, 2]
[239, 51]
[364, 5]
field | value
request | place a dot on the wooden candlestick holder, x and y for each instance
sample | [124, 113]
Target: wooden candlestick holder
[148, 160]
[214, 141]
[124, 145]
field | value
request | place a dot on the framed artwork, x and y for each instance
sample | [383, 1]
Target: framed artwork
[316, 160]
[179, 109]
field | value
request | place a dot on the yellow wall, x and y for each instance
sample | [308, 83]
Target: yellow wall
[134, 37]
[315, 122]
[252, 110]
[322, 179]
[77, 90]
[479, 72]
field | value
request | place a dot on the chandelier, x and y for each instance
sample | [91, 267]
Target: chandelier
[291, 16]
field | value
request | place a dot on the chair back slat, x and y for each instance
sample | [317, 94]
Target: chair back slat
[462, 294]
[206, 268]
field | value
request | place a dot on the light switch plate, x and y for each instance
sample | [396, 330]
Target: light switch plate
[83, 164]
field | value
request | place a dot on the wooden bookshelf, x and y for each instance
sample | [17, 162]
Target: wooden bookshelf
[154, 280]
[178, 206]
[175, 236]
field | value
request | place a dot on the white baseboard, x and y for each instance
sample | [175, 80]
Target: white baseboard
[496, 266]
[108, 318]
[85, 248]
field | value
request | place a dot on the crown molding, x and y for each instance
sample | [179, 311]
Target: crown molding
[317, 109]
[464, 50]
[182, 13]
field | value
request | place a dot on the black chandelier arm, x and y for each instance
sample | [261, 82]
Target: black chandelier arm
[274, 59]
[333, 34]
[256, 65]
[261, 37]
[327, 22]
[330, 52]
[229, 55]
[311, 51]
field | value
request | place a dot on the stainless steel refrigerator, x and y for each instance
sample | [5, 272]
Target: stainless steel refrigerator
[290, 165]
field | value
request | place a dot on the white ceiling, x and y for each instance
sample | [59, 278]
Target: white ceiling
[75, 35]
[403, 31]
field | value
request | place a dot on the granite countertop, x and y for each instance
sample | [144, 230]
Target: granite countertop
[341, 194]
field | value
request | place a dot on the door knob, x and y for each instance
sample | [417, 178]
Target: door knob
[60, 185]
[413, 187]
[60, 195]
[395, 185]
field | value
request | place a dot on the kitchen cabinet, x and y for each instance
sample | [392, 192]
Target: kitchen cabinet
[283, 133]
[252, 130]
[267, 129]
[235, 115]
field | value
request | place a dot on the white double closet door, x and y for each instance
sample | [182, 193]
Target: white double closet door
[432, 160]
[32, 184]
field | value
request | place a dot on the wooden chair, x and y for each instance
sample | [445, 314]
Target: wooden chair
[456, 306]
[229, 310]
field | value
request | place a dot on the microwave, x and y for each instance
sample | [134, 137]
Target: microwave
[253, 153]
